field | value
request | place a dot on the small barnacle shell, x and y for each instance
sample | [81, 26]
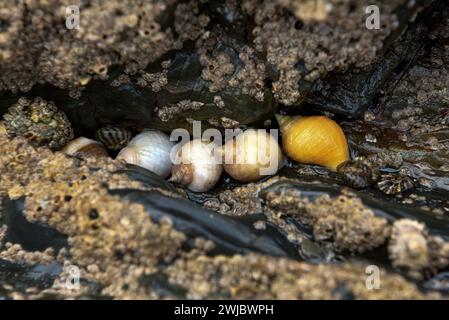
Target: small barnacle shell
[197, 166]
[314, 140]
[395, 183]
[150, 150]
[252, 155]
[85, 148]
[408, 246]
[113, 138]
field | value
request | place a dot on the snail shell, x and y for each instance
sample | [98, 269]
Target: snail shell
[113, 138]
[150, 150]
[85, 148]
[357, 174]
[198, 166]
[314, 140]
[252, 155]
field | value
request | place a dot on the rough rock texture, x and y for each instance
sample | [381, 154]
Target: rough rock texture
[261, 277]
[115, 244]
[310, 48]
[36, 46]
[40, 122]
[413, 249]
[321, 36]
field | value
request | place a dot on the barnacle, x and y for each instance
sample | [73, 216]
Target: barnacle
[395, 183]
[344, 221]
[39, 121]
[413, 249]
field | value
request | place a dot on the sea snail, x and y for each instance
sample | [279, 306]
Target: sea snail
[85, 148]
[314, 140]
[113, 138]
[197, 165]
[252, 155]
[150, 150]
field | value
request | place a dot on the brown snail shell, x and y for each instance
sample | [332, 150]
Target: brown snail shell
[113, 138]
[249, 156]
[85, 148]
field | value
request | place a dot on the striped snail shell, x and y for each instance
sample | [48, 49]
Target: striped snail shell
[150, 150]
[113, 138]
[85, 148]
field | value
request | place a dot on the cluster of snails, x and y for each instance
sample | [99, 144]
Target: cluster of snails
[198, 165]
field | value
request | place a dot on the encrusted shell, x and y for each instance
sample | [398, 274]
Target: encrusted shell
[198, 166]
[40, 122]
[113, 138]
[408, 246]
[314, 140]
[395, 183]
[150, 150]
[85, 148]
[357, 174]
[252, 155]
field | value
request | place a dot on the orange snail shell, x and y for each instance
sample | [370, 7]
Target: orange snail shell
[314, 140]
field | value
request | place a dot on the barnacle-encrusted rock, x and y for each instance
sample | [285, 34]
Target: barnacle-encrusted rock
[36, 45]
[345, 221]
[330, 37]
[114, 243]
[411, 248]
[40, 122]
[260, 277]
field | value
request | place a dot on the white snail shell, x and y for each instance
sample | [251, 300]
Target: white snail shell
[199, 166]
[150, 150]
[252, 155]
[85, 148]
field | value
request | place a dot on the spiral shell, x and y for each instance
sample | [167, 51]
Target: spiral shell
[314, 140]
[150, 150]
[252, 155]
[85, 148]
[113, 138]
[198, 166]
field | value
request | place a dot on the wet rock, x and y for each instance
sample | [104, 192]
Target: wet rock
[30, 236]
